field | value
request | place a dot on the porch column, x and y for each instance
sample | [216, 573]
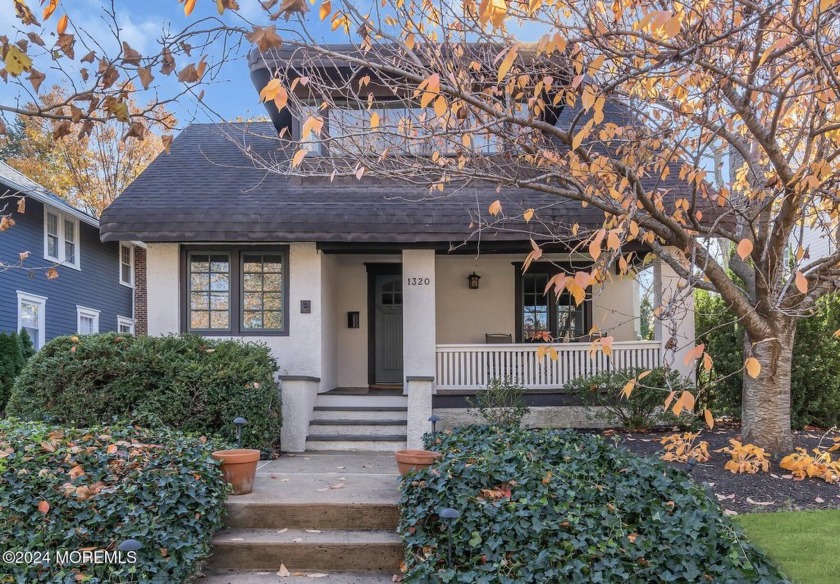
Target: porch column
[419, 337]
[673, 324]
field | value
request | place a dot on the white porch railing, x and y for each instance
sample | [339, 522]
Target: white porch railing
[473, 366]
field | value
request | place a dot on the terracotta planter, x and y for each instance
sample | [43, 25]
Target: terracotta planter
[409, 460]
[239, 467]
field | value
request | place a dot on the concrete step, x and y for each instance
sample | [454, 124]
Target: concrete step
[278, 515]
[356, 442]
[370, 401]
[298, 549]
[363, 427]
[296, 577]
[360, 413]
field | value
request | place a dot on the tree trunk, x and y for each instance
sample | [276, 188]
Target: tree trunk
[765, 408]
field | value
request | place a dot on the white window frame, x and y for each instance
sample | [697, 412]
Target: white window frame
[125, 321]
[41, 301]
[61, 257]
[90, 313]
[130, 282]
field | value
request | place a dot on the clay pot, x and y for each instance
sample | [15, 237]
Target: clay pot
[409, 460]
[239, 467]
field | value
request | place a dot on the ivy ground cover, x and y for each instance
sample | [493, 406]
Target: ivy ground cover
[557, 506]
[65, 491]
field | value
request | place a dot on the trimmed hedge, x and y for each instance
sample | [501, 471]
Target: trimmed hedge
[557, 506]
[68, 489]
[643, 409]
[187, 383]
[11, 364]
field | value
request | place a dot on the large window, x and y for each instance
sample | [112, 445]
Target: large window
[32, 317]
[539, 312]
[236, 291]
[61, 238]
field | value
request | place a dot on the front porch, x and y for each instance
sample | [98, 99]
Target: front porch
[411, 320]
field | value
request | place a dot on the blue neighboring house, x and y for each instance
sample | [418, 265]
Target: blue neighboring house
[94, 290]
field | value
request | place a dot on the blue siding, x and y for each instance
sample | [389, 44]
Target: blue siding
[96, 286]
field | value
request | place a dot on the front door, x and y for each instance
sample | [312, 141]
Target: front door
[388, 329]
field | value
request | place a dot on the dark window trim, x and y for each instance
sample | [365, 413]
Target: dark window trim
[236, 309]
[550, 268]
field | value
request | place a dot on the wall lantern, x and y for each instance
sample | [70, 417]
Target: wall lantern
[473, 279]
[353, 319]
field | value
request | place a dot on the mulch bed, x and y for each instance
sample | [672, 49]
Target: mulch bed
[747, 493]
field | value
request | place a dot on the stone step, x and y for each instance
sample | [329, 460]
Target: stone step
[358, 427]
[277, 515]
[356, 442]
[370, 401]
[360, 413]
[298, 549]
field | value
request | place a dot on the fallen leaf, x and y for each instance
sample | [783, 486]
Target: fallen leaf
[819, 500]
[283, 572]
[337, 486]
[312, 531]
[317, 575]
[729, 512]
[44, 507]
[762, 503]
[284, 530]
[297, 539]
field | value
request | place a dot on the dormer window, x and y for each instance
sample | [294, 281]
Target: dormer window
[349, 130]
[61, 238]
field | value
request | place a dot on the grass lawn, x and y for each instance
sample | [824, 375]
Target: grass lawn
[804, 544]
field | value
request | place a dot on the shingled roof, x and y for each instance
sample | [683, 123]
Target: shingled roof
[207, 190]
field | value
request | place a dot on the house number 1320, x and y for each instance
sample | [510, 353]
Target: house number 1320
[418, 281]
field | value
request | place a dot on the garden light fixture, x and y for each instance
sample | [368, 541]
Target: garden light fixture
[239, 422]
[434, 420]
[129, 545]
[449, 515]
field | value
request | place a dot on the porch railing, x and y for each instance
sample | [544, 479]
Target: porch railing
[472, 367]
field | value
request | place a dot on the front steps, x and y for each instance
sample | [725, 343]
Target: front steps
[364, 422]
[313, 512]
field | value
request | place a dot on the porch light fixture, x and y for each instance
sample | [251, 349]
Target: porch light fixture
[472, 280]
[239, 422]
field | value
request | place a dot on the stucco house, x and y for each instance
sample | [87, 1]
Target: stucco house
[93, 287]
[367, 290]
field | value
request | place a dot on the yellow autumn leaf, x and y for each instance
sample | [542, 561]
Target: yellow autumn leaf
[17, 61]
[628, 389]
[62, 24]
[440, 106]
[270, 90]
[298, 157]
[753, 367]
[745, 247]
[50, 8]
[710, 419]
[326, 8]
[374, 121]
[189, 5]
[507, 63]
[528, 215]
[801, 282]
[495, 207]
[587, 100]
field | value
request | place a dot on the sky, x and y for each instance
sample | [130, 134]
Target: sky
[230, 94]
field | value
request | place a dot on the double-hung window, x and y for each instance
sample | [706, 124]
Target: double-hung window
[87, 320]
[32, 317]
[126, 264]
[125, 325]
[540, 312]
[61, 238]
[240, 291]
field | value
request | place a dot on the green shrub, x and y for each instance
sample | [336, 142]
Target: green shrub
[26, 346]
[643, 409]
[815, 375]
[187, 383]
[501, 403]
[557, 506]
[66, 489]
[11, 364]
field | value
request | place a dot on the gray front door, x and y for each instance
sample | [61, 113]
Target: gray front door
[388, 330]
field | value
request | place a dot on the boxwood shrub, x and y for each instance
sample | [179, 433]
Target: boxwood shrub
[187, 383]
[70, 489]
[557, 506]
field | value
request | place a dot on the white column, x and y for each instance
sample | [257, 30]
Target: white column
[419, 337]
[674, 316]
[298, 394]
